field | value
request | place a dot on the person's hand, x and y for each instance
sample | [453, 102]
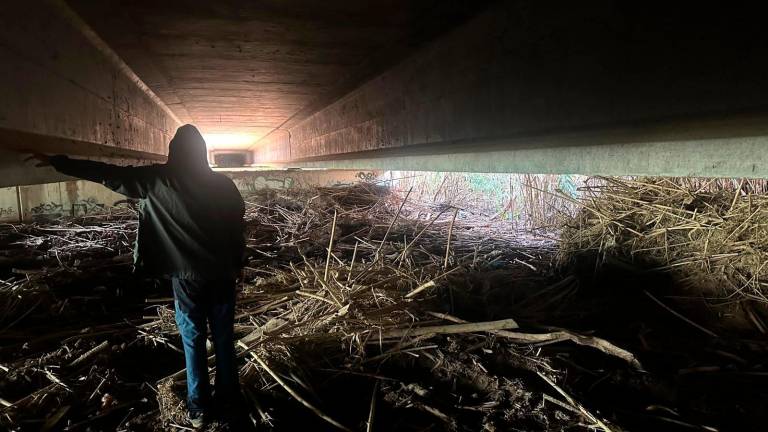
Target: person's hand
[41, 159]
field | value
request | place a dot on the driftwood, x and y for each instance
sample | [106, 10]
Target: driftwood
[451, 329]
[558, 336]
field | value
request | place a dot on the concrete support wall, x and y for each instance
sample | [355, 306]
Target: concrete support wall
[79, 198]
[55, 200]
[64, 91]
[251, 181]
[600, 87]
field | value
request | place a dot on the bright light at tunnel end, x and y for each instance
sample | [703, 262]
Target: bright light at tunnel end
[228, 141]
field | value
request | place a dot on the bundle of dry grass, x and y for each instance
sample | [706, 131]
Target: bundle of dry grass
[709, 236]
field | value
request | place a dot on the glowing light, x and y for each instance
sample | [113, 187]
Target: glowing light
[229, 141]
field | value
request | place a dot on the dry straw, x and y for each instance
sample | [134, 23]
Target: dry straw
[712, 233]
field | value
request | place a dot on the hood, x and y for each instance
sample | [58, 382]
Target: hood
[187, 150]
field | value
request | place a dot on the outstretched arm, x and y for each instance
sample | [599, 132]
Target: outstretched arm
[133, 182]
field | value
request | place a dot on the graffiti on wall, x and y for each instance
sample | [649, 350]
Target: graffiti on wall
[88, 206]
[366, 176]
[7, 212]
[47, 209]
[252, 184]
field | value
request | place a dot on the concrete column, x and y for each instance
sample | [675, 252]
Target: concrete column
[9, 205]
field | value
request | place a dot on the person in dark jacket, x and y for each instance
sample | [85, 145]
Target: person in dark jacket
[191, 230]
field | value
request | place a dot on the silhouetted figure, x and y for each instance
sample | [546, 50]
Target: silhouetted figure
[191, 230]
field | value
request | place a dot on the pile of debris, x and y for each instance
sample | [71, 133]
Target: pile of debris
[371, 313]
[64, 319]
[359, 309]
[348, 290]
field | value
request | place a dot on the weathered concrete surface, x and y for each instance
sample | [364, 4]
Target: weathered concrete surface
[54, 200]
[244, 67]
[603, 87]
[79, 197]
[715, 157]
[9, 205]
[251, 181]
[63, 90]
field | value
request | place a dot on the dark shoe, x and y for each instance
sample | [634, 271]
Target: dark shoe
[196, 419]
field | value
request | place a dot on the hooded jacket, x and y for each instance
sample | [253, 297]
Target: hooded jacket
[190, 218]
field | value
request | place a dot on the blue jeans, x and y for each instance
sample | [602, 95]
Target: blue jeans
[199, 303]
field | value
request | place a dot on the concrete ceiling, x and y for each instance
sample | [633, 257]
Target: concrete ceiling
[248, 68]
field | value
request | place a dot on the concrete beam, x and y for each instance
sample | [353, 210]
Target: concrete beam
[559, 87]
[63, 90]
[604, 153]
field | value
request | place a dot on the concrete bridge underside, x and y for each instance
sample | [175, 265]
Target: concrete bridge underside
[595, 87]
